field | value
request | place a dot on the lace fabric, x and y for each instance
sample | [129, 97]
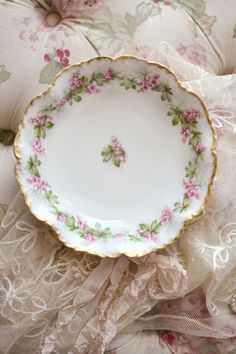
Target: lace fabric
[54, 300]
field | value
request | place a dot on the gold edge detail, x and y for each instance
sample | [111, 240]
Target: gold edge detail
[189, 220]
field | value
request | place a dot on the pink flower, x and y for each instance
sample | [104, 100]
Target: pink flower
[38, 183]
[67, 52]
[64, 61]
[77, 8]
[144, 83]
[195, 53]
[92, 88]
[150, 237]
[38, 147]
[166, 215]
[108, 75]
[81, 223]
[191, 115]
[59, 53]
[120, 235]
[47, 57]
[170, 338]
[61, 217]
[62, 102]
[154, 80]
[140, 231]
[76, 81]
[185, 132]
[149, 82]
[22, 35]
[89, 237]
[37, 120]
[191, 189]
[200, 148]
[33, 37]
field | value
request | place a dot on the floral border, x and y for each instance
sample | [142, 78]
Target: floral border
[186, 119]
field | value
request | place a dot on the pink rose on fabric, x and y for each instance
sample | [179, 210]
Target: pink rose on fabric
[178, 344]
[59, 53]
[146, 52]
[166, 215]
[47, 57]
[92, 88]
[191, 189]
[170, 338]
[185, 132]
[38, 147]
[77, 8]
[38, 183]
[65, 61]
[194, 53]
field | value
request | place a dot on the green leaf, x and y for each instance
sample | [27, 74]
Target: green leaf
[78, 98]
[106, 158]
[143, 226]
[4, 75]
[70, 222]
[49, 125]
[116, 162]
[195, 139]
[98, 226]
[51, 198]
[175, 121]
[107, 150]
[191, 170]
[99, 79]
[32, 165]
[49, 108]
[49, 72]
[154, 224]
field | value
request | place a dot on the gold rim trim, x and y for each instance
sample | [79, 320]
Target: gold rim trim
[189, 220]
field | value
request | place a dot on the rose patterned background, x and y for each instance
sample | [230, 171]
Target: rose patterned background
[194, 39]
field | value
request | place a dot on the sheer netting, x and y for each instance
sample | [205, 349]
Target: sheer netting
[54, 300]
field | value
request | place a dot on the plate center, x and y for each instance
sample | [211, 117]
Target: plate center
[154, 156]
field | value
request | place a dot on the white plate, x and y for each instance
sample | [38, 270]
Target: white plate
[116, 156]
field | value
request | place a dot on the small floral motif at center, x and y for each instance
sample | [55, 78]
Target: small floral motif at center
[114, 152]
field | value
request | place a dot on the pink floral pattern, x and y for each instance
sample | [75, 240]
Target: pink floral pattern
[194, 53]
[79, 85]
[38, 183]
[55, 61]
[114, 152]
[77, 8]
[38, 147]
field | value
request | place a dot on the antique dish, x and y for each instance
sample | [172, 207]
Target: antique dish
[117, 156]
